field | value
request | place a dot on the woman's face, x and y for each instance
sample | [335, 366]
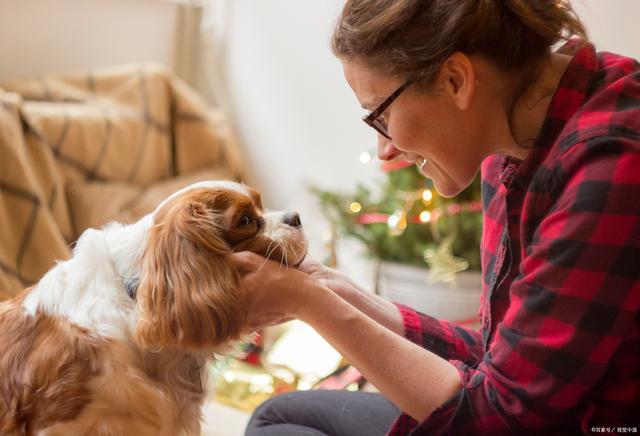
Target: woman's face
[441, 125]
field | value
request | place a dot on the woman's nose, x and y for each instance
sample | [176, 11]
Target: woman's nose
[386, 149]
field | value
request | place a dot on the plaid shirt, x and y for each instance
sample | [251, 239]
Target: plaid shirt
[558, 351]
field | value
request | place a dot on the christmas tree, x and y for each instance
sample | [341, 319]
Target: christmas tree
[405, 220]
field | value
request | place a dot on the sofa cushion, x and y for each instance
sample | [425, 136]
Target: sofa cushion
[93, 204]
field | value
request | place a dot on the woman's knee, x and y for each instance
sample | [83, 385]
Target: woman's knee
[276, 410]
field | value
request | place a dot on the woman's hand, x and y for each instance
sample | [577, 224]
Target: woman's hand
[374, 306]
[275, 293]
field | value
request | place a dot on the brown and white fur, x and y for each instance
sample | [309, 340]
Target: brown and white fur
[114, 340]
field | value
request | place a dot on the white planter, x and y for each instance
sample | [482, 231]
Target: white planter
[409, 285]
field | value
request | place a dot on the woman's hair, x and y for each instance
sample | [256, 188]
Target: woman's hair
[412, 38]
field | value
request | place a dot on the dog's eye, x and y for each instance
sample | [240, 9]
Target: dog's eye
[244, 221]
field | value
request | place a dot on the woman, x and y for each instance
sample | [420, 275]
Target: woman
[455, 85]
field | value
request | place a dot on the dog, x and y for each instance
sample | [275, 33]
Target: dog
[115, 340]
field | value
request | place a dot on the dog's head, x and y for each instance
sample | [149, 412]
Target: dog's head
[189, 296]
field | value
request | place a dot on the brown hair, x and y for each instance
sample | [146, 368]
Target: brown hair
[412, 38]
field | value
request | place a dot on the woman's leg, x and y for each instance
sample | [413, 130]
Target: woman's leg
[323, 412]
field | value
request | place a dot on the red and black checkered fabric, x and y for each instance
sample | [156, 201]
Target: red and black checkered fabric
[559, 347]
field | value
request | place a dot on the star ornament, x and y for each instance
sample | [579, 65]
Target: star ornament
[443, 265]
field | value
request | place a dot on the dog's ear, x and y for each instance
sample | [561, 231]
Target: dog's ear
[188, 296]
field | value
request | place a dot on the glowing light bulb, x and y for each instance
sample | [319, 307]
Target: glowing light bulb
[425, 216]
[365, 157]
[392, 221]
[427, 195]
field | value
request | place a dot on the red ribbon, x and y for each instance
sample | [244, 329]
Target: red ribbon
[451, 209]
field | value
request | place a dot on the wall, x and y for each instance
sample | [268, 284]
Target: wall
[40, 36]
[296, 115]
[612, 24]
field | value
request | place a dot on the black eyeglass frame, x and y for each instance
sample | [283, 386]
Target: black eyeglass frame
[372, 119]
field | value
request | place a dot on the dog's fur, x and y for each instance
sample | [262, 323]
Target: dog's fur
[115, 340]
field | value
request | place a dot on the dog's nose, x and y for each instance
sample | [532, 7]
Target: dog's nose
[292, 219]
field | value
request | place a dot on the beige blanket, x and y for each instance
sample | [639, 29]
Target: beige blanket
[79, 150]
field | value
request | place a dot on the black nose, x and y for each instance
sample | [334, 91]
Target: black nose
[293, 219]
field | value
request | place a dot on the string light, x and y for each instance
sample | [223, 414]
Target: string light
[365, 157]
[355, 207]
[425, 216]
[427, 195]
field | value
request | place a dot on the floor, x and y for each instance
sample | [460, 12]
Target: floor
[221, 420]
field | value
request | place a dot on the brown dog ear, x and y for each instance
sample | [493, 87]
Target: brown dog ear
[188, 296]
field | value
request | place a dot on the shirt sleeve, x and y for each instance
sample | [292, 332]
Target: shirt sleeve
[576, 298]
[443, 338]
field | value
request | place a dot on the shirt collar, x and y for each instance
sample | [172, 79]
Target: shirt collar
[570, 95]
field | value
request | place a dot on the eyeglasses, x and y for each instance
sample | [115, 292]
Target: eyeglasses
[374, 118]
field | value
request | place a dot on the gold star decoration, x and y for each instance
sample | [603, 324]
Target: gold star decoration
[443, 265]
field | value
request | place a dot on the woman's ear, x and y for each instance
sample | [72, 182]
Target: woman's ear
[188, 295]
[458, 79]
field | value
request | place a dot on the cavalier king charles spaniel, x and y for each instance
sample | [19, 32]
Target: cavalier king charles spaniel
[114, 340]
